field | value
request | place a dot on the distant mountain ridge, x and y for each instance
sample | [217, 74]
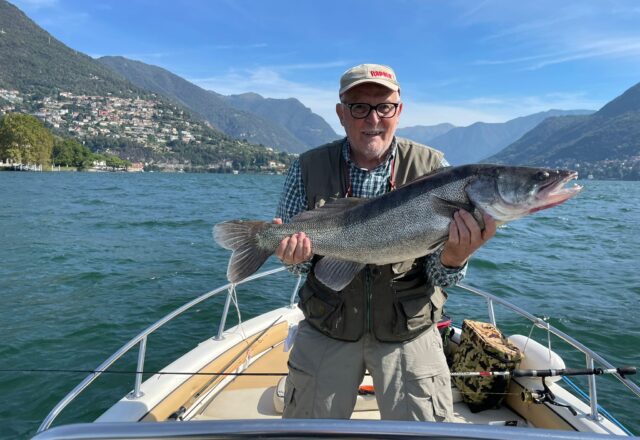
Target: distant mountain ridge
[78, 97]
[424, 133]
[480, 140]
[282, 124]
[31, 61]
[289, 113]
[606, 143]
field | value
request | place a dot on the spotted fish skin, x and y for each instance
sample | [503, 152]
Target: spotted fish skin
[403, 224]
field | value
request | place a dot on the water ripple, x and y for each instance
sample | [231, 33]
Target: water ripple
[89, 260]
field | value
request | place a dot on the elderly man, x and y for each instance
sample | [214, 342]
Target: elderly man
[384, 321]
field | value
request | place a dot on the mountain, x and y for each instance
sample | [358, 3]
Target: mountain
[290, 113]
[607, 143]
[424, 133]
[78, 97]
[33, 61]
[282, 124]
[480, 140]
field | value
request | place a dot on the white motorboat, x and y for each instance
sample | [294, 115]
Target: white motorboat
[232, 386]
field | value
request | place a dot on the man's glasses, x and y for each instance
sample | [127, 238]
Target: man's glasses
[384, 109]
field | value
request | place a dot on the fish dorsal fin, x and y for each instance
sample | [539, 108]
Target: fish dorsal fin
[426, 175]
[336, 274]
[332, 207]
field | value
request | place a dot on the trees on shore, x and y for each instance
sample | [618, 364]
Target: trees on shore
[24, 139]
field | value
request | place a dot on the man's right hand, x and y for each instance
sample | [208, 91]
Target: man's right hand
[295, 249]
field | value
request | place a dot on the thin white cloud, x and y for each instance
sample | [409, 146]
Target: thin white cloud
[149, 55]
[527, 35]
[310, 66]
[491, 108]
[613, 48]
[322, 100]
[528, 27]
[238, 46]
[470, 12]
[272, 84]
[610, 48]
[417, 113]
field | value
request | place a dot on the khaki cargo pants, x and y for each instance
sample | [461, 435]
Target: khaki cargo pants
[411, 379]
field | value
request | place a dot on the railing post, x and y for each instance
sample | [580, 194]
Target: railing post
[136, 394]
[593, 394]
[295, 291]
[225, 311]
[492, 313]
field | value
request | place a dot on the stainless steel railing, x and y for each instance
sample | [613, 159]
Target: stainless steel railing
[141, 339]
[590, 356]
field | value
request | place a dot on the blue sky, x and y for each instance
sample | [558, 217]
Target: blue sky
[457, 61]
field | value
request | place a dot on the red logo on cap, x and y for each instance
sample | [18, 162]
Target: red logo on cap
[375, 73]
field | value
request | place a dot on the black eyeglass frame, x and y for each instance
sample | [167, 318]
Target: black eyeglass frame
[372, 107]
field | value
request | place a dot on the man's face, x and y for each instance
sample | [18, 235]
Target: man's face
[369, 137]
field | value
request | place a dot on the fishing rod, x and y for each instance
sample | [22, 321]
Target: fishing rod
[528, 396]
[622, 371]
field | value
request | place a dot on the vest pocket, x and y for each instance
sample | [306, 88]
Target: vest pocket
[412, 313]
[325, 314]
[416, 310]
[438, 299]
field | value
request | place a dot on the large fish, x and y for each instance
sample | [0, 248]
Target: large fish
[407, 223]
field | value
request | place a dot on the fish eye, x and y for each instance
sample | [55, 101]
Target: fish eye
[541, 176]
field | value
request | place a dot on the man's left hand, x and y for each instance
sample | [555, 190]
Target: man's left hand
[465, 237]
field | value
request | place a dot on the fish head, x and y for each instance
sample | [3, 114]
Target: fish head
[508, 192]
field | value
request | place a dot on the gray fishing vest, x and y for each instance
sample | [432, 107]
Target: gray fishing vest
[395, 301]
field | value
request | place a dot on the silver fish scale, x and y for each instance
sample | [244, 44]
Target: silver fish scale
[400, 225]
[377, 233]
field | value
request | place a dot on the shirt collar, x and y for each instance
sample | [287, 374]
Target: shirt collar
[346, 154]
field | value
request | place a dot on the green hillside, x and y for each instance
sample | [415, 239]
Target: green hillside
[76, 96]
[604, 145]
[33, 61]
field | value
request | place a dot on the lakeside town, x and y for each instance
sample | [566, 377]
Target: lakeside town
[138, 120]
[145, 122]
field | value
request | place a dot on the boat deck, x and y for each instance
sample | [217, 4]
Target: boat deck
[252, 397]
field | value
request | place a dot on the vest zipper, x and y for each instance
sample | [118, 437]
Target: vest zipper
[368, 292]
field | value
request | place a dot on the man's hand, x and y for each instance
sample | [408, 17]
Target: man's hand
[465, 237]
[295, 249]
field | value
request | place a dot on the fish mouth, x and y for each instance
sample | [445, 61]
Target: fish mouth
[554, 192]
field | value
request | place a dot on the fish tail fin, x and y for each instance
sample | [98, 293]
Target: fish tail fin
[241, 237]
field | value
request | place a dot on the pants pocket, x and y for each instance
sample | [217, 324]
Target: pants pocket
[296, 384]
[430, 397]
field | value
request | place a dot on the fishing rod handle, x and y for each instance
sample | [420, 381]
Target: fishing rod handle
[626, 370]
[598, 371]
[573, 372]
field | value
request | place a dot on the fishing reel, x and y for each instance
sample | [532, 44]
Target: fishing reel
[544, 395]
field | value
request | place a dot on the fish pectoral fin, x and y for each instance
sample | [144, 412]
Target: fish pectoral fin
[454, 205]
[330, 208]
[336, 274]
[435, 246]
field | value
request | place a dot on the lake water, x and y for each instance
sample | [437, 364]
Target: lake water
[87, 261]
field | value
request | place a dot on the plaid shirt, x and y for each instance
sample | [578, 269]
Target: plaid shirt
[364, 184]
